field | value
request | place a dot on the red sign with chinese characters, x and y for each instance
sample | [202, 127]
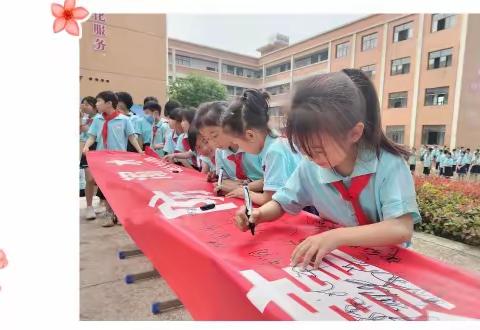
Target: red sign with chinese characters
[220, 273]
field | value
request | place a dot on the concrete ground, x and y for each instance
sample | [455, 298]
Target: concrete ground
[105, 296]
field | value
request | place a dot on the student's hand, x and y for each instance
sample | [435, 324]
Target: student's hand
[228, 185]
[141, 152]
[216, 188]
[236, 193]
[315, 247]
[169, 158]
[212, 177]
[85, 150]
[241, 220]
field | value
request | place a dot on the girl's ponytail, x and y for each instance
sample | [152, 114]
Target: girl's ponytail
[373, 134]
[251, 110]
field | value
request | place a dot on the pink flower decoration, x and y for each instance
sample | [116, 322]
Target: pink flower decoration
[66, 16]
[3, 259]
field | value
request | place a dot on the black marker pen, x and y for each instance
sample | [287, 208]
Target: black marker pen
[248, 208]
[219, 182]
[207, 207]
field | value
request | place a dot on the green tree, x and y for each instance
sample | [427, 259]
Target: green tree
[195, 89]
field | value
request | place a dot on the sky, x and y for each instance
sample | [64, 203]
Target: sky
[245, 33]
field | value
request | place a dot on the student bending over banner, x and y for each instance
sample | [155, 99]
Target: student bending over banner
[183, 150]
[239, 167]
[352, 173]
[246, 124]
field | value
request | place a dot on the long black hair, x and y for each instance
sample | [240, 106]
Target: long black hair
[209, 114]
[192, 138]
[176, 114]
[169, 106]
[126, 98]
[188, 114]
[247, 111]
[333, 103]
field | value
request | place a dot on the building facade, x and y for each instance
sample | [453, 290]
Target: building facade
[425, 68]
[121, 52]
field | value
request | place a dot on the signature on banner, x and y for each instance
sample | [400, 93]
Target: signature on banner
[345, 288]
[164, 164]
[178, 203]
[143, 175]
[146, 175]
[150, 160]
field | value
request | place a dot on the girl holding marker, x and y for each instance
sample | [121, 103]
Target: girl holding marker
[352, 173]
[183, 149]
[239, 167]
[200, 153]
[246, 124]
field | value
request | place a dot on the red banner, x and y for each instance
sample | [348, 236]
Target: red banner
[220, 273]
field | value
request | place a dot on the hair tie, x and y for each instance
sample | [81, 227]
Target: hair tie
[244, 96]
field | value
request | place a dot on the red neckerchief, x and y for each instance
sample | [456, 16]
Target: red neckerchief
[107, 118]
[174, 139]
[352, 195]
[237, 159]
[185, 144]
[187, 147]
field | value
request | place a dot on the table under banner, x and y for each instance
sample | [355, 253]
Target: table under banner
[221, 273]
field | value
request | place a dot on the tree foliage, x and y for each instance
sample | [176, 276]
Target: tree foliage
[194, 90]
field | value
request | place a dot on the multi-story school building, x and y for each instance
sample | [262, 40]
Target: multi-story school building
[425, 67]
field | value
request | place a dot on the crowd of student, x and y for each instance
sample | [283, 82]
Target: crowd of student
[462, 162]
[333, 160]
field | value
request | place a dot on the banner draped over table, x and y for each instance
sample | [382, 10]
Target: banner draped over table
[220, 273]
